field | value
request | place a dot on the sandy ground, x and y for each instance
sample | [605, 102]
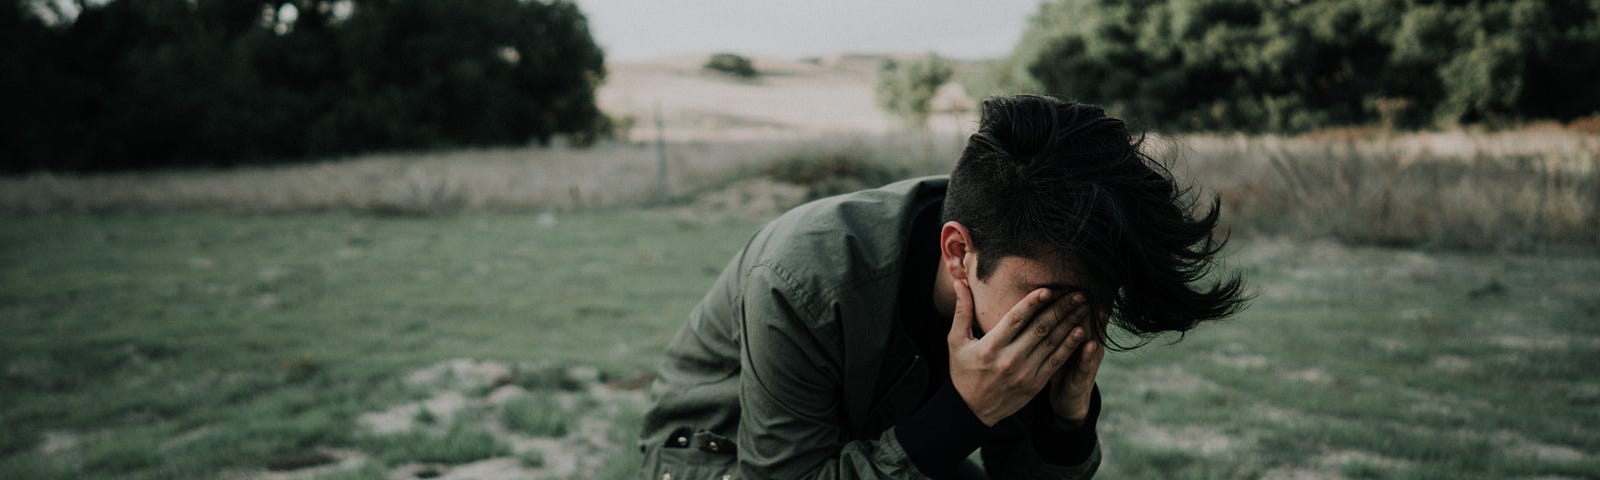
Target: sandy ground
[787, 99]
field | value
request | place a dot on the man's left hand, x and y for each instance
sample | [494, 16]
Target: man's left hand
[1072, 387]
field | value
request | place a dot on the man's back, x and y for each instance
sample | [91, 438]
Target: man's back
[827, 274]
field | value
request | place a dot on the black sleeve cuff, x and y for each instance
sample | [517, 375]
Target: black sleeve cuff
[942, 433]
[1062, 444]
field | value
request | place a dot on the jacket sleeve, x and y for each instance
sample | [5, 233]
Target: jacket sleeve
[790, 393]
[1017, 455]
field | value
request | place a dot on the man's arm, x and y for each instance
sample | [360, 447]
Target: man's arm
[790, 395]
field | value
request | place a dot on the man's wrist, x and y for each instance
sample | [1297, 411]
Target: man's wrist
[1072, 422]
[1062, 443]
[1073, 415]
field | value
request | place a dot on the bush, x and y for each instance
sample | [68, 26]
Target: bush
[832, 173]
[731, 64]
[906, 90]
[1293, 66]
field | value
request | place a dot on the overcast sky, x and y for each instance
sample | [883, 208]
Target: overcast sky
[640, 29]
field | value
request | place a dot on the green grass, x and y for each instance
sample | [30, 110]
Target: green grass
[461, 442]
[536, 414]
[180, 345]
[251, 337]
[1383, 353]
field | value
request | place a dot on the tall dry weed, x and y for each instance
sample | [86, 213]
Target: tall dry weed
[1403, 191]
[503, 179]
[1497, 190]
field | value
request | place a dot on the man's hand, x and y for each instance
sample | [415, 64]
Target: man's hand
[1073, 385]
[998, 374]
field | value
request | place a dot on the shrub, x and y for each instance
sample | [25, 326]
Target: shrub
[832, 173]
[906, 89]
[731, 64]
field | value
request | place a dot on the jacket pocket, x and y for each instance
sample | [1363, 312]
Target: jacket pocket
[691, 456]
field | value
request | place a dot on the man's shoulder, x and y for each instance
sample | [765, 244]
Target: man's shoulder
[838, 242]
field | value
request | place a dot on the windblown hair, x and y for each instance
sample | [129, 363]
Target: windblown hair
[1050, 178]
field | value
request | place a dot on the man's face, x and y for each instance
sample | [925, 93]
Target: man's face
[1014, 278]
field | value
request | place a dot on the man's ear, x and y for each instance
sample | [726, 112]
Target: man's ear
[955, 250]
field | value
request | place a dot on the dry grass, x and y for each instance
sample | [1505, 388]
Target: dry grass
[1485, 191]
[1498, 190]
[491, 179]
[508, 179]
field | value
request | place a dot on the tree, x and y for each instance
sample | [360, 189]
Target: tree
[1258, 65]
[906, 90]
[157, 83]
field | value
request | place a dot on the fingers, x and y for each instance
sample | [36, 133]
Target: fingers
[1063, 352]
[1069, 320]
[1017, 320]
[961, 325]
[1093, 353]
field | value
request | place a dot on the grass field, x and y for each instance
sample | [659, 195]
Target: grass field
[195, 345]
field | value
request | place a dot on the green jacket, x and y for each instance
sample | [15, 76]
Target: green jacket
[791, 366]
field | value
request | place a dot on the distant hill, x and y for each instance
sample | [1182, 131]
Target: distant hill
[788, 98]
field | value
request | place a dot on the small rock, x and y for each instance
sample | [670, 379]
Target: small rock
[505, 393]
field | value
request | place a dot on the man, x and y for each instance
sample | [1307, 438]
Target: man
[891, 333]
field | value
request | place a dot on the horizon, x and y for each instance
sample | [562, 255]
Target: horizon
[631, 32]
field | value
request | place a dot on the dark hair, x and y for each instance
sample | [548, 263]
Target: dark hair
[1045, 176]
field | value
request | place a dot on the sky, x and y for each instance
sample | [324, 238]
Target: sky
[631, 30]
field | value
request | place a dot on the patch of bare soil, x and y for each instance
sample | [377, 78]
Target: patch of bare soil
[1524, 447]
[56, 442]
[1208, 441]
[1239, 360]
[1169, 380]
[1347, 458]
[1451, 363]
[1328, 465]
[460, 386]
[1310, 375]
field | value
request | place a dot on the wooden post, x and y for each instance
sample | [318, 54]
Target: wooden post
[661, 158]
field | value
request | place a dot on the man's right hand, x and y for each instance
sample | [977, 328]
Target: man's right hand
[1000, 373]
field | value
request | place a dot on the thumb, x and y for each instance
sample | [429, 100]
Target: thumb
[961, 324]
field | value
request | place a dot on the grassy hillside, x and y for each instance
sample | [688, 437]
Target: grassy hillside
[183, 345]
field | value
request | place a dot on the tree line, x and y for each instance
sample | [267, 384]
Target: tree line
[1285, 66]
[131, 84]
